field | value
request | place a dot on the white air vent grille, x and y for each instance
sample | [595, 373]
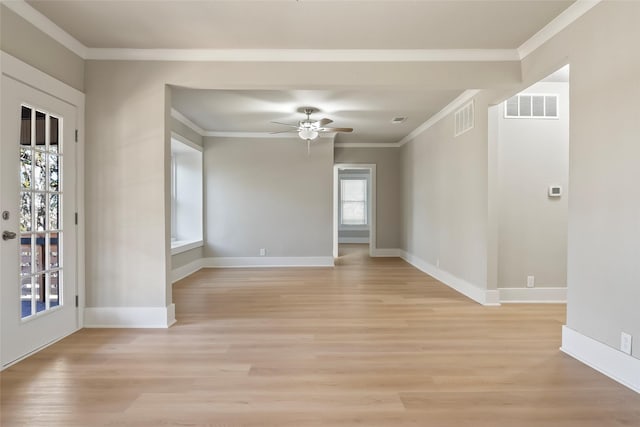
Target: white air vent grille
[463, 119]
[531, 106]
[398, 120]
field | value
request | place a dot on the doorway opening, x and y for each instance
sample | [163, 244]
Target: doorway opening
[530, 137]
[354, 222]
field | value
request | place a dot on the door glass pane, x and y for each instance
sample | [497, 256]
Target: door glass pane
[40, 127]
[40, 212]
[25, 126]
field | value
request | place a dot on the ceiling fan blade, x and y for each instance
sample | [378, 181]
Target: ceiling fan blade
[324, 122]
[336, 130]
[283, 131]
[286, 124]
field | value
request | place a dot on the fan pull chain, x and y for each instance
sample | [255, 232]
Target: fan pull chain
[308, 147]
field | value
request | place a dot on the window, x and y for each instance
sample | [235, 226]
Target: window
[353, 202]
[186, 195]
[531, 106]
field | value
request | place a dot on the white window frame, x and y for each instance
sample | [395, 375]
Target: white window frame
[543, 117]
[367, 179]
[187, 228]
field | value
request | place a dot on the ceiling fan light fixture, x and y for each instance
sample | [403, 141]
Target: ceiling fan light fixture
[308, 133]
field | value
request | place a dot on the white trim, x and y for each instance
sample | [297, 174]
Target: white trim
[556, 25]
[448, 109]
[552, 295]
[234, 134]
[613, 363]
[180, 273]
[476, 293]
[186, 141]
[185, 121]
[305, 55]
[387, 253]
[358, 240]
[47, 26]
[259, 262]
[130, 317]
[180, 246]
[21, 358]
[367, 145]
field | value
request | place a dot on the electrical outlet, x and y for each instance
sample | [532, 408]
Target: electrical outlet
[438, 262]
[625, 342]
[531, 281]
[263, 251]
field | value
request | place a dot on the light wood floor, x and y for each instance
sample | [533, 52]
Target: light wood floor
[368, 343]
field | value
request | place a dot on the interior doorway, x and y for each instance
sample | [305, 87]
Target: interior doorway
[529, 192]
[354, 219]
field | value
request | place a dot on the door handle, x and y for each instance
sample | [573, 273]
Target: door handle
[8, 235]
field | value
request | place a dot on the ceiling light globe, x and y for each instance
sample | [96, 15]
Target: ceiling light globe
[308, 134]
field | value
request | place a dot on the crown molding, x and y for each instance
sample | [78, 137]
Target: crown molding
[448, 109]
[47, 26]
[188, 123]
[559, 23]
[223, 134]
[306, 55]
[366, 145]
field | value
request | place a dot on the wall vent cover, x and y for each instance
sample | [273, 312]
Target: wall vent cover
[463, 119]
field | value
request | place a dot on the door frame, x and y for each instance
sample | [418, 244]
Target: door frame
[371, 167]
[16, 69]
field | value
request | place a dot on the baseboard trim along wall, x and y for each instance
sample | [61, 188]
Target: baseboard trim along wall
[180, 273]
[615, 364]
[360, 240]
[550, 295]
[482, 296]
[257, 262]
[129, 317]
[387, 253]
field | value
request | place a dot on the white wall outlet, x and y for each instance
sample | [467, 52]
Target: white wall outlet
[531, 281]
[625, 342]
[263, 251]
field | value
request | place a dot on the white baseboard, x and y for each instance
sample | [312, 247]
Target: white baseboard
[387, 252]
[533, 295]
[476, 293]
[180, 273]
[129, 317]
[353, 240]
[256, 262]
[615, 364]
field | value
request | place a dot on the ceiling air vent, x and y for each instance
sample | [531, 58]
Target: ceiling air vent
[463, 119]
[398, 120]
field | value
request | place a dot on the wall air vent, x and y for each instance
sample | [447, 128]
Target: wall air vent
[531, 106]
[398, 120]
[463, 119]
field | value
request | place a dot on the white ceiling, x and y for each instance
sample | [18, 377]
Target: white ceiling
[322, 25]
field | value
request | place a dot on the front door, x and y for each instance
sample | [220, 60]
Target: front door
[38, 264]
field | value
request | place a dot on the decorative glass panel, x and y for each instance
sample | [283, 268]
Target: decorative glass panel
[53, 250]
[26, 264]
[54, 291]
[25, 295]
[41, 119]
[25, 126]
[39, 171]
[53, 134]
[41, 284]
[41, 211]
[54, 214]
[25, 212]
[54, 177]
[25, 167]
[40, 251]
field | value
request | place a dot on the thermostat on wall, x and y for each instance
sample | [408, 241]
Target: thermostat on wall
[555, 191]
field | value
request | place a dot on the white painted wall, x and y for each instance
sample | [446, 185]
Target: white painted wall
[268, 193]
[532, 155]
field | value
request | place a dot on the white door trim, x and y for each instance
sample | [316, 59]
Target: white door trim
[372, 203]
[25, 73]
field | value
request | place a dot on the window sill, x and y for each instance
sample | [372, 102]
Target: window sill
[179, 246]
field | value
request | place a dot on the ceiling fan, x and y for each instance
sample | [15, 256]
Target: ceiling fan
[309, 129]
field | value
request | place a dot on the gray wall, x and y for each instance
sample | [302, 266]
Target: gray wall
[388, 211]
[444, 193]
[533, 154]
[268, 193]
[184, 258]
[604, 202]
[24, 41]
